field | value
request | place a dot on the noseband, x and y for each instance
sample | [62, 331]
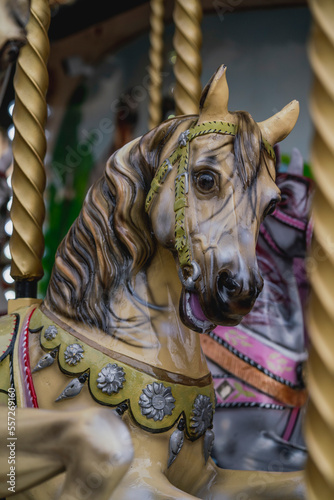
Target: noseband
[181, 155]
[305, 227]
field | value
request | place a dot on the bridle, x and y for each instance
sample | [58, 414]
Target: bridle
[303, 226]
[181, 155]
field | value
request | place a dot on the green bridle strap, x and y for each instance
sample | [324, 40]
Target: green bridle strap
[181, 154]
[181, 202]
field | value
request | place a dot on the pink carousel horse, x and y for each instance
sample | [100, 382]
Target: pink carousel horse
[258, 366]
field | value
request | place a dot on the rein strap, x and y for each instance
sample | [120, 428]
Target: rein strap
[181, 155]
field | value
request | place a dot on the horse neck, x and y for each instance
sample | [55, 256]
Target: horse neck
[178, 348]
[277, 315]
[145, 324]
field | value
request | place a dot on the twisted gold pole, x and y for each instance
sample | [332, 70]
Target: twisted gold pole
[156, 62]
[187, 42]
[320, 416]
[29, 147]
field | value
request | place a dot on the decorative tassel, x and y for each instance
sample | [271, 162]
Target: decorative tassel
[208, 443]
[45, 361]
[73, 388]
[176, 441]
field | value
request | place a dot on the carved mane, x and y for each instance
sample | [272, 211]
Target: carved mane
[111, 239]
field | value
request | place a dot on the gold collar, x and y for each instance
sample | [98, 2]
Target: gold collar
[156, 399]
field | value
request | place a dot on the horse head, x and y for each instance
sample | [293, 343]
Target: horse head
[288, 231]
[224, 187]
[198, 186]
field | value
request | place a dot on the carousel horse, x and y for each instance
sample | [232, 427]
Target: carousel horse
[163, 250]
[257, 366]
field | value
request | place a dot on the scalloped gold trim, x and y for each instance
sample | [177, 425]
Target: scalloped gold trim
[135, 380]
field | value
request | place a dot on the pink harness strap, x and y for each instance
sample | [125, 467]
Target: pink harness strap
[289, 221]
[233, 393]
[266, 359]
[294, 413]
[270, 240]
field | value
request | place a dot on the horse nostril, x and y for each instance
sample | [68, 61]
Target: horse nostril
[226, 281]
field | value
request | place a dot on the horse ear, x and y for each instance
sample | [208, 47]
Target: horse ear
[214, 99]
[279, 126]
[296, 165]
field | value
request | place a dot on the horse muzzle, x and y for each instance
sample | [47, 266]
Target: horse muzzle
[201, 309]
[235, 294]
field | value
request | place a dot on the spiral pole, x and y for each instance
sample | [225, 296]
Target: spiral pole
[29, 147]
[188, 67]
[319, 426]
[156, 62]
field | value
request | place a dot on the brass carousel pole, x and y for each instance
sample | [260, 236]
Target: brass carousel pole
[156, 62]
[29, 147]
[320, 415]
[187, 42]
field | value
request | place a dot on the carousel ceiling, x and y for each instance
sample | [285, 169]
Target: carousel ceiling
[72, 16]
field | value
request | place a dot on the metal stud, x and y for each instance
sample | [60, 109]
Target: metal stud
[156, 401]
[111, 378]
[183, 138]
[202, 413]
[51, 332]
[73, 354]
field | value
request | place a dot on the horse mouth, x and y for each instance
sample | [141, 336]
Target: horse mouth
[192, 315]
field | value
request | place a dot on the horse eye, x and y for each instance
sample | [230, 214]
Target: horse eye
[285, 197]
[205, 181]
[270, 208]
[11, 51]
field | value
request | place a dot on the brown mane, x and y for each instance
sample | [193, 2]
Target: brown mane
[111, 238]
[248, 151]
